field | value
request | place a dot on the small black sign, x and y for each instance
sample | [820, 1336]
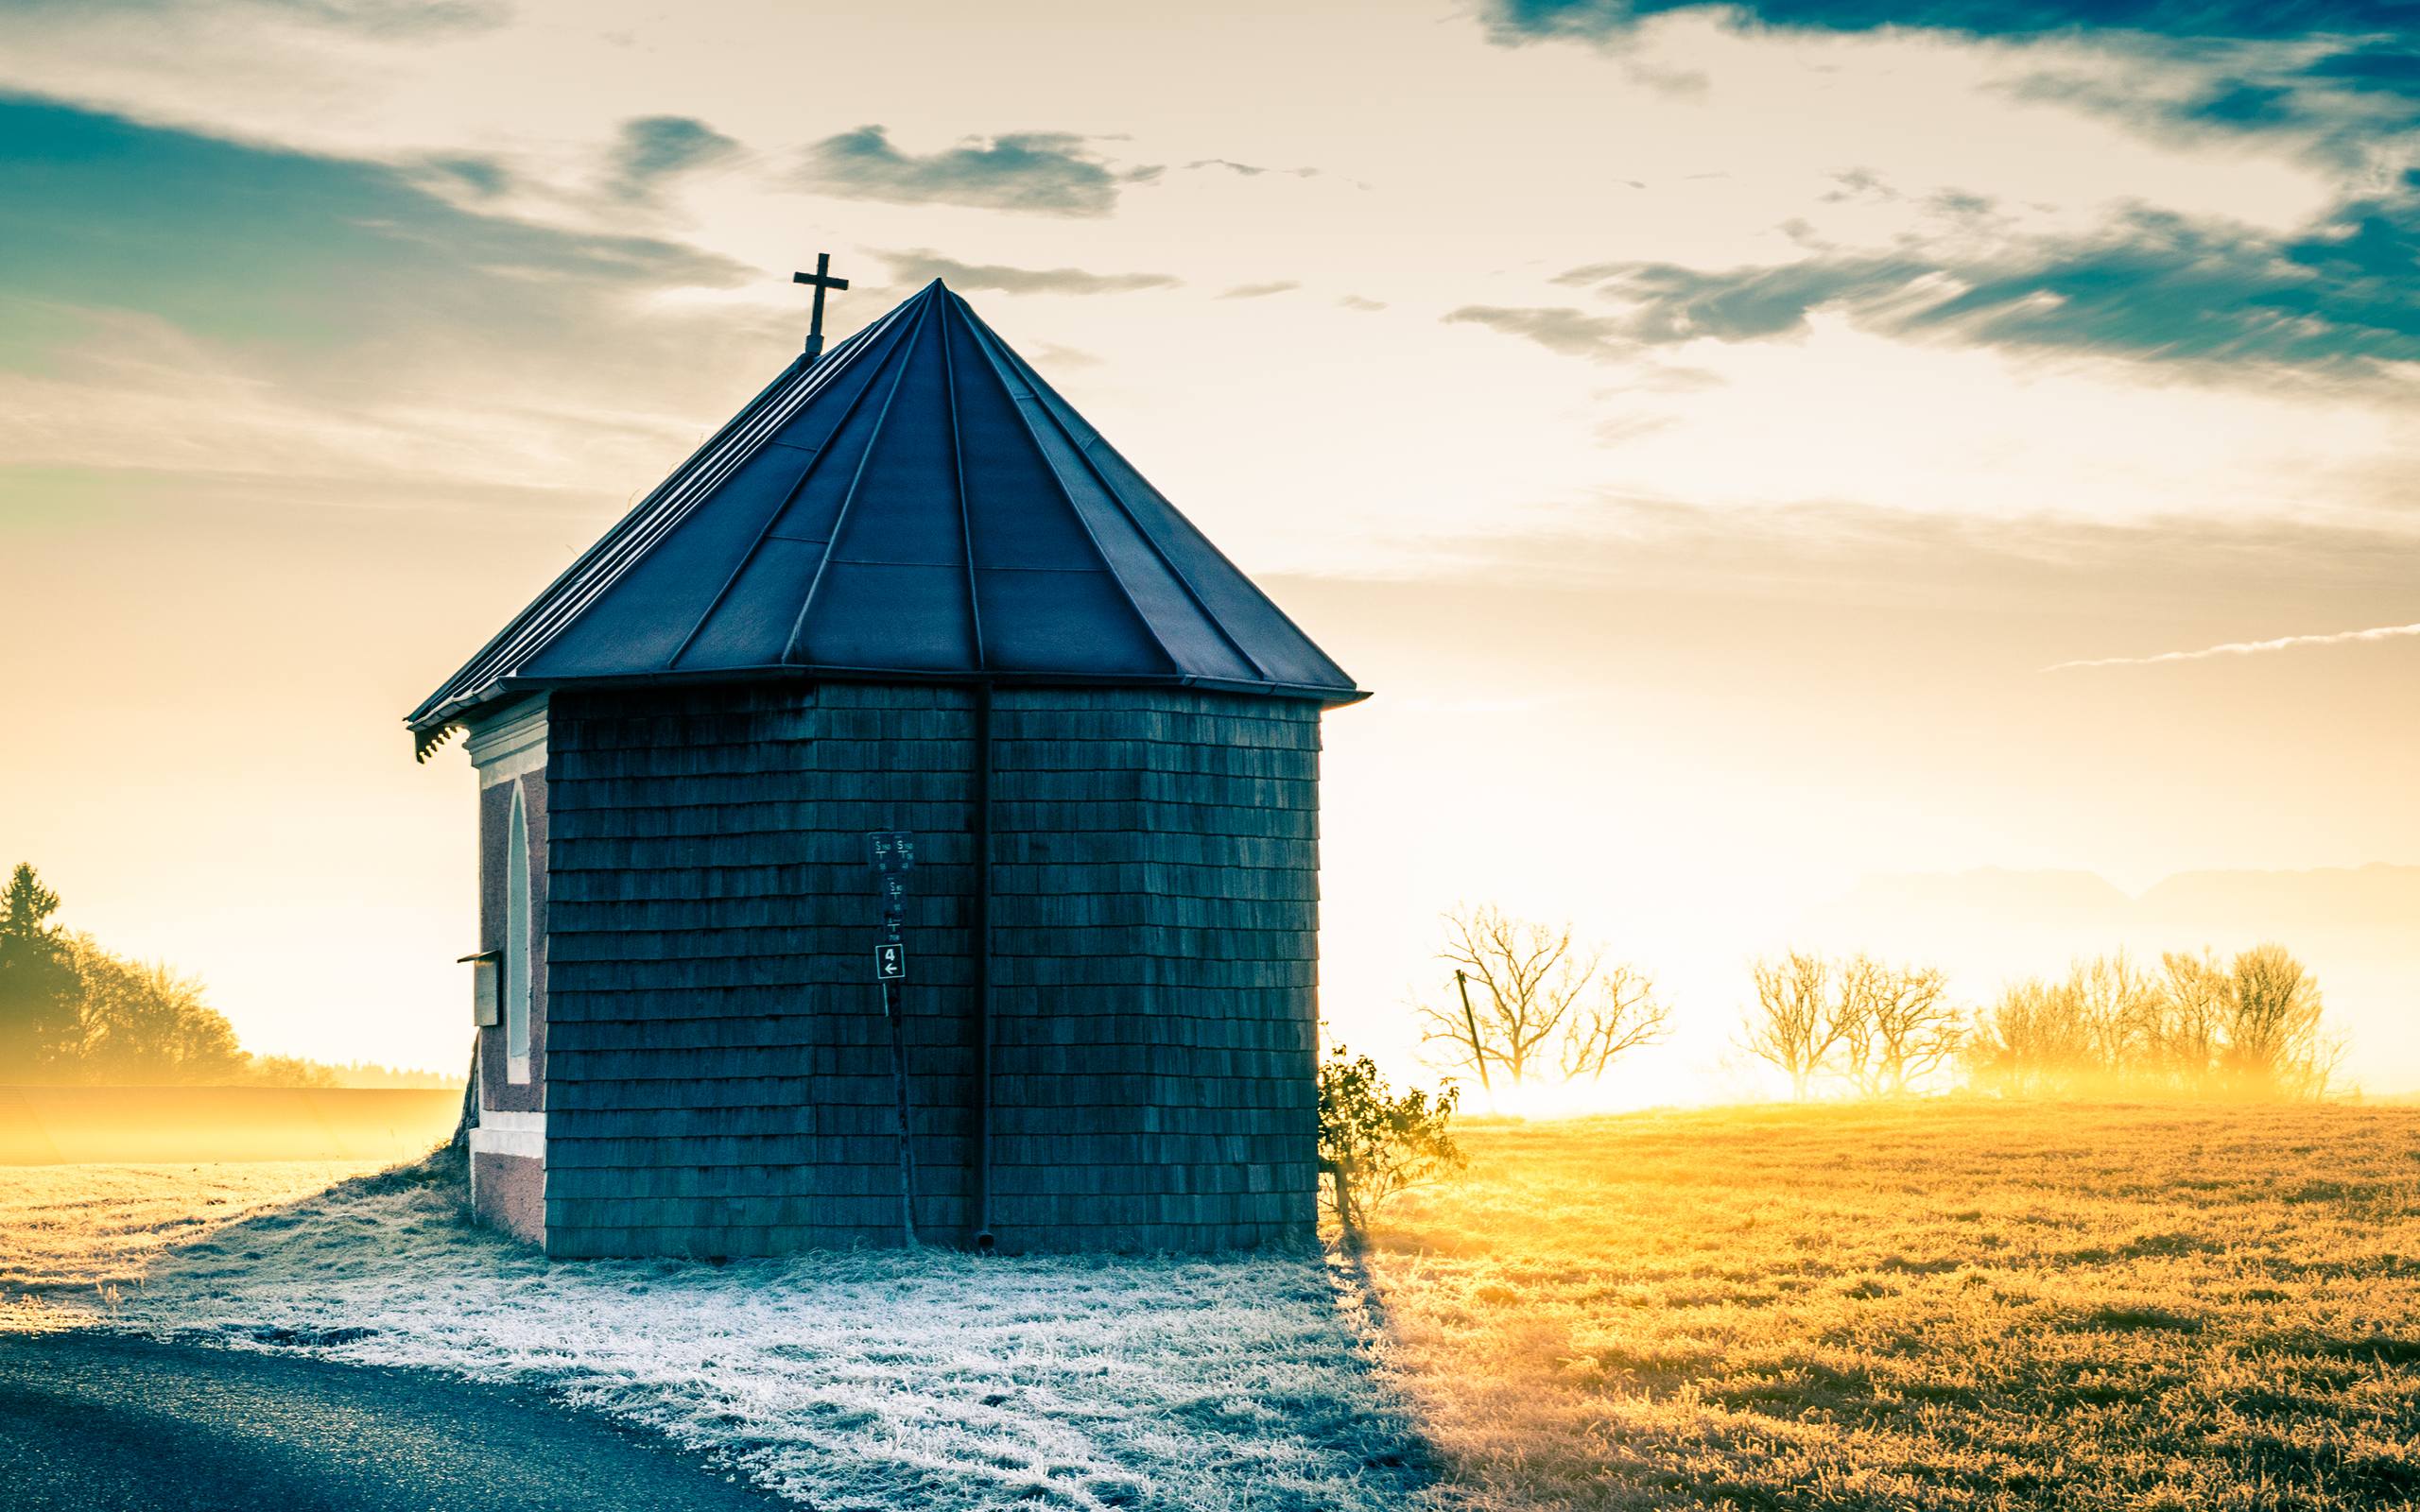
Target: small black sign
[890, 850]
[894, 894]
[890, 963]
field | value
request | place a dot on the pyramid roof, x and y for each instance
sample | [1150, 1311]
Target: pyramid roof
[917, 506]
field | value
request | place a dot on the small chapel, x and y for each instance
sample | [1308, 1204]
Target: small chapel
[901, 826]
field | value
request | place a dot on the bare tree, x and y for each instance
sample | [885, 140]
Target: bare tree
[1795, 1025]
[2196, 1008]
[2117, 1010]
[1529, 999]
[1528, 976]
[2273, 1044]
[1897, 1024]
[1622, 1016]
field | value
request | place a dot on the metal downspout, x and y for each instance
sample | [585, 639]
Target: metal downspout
[983, 952]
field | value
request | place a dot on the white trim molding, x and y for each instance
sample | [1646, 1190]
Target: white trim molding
[510, 742]
[505, 1133]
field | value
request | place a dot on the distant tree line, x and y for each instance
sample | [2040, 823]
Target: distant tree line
[2198, 1028]
[72, 1011]
[1523, 1004]
[2250, 1027]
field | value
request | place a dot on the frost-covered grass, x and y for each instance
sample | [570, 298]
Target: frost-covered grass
[874, 1380]
[1947, 1305]
[74, 1236]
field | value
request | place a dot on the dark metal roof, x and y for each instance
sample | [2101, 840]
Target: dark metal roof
[919, 505]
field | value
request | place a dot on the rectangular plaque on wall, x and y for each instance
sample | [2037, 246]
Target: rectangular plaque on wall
[486, 1010]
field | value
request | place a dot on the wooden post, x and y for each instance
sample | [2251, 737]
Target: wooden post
[1470, 1020]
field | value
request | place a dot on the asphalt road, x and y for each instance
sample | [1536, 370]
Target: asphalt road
[95, 1423]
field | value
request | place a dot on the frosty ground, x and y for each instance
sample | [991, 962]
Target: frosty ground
[841, 1380]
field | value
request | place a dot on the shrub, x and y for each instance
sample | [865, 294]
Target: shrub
[1374, 1142]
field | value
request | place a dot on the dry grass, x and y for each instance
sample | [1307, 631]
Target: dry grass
[79, 1235]
[1964, 1305]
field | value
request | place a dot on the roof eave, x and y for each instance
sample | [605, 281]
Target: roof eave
[429, 722]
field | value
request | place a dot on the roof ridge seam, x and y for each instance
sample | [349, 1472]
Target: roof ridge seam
[987, 339]
[815, 459]
[1213, 547]
[958, 475]
[856, 480]
[578, 585]
[1044, 394]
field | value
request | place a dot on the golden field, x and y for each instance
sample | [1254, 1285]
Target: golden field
[1960, 1305]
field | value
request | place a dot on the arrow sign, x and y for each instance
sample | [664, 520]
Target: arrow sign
[890, 963]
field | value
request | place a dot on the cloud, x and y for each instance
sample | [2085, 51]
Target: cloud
[1355, 301]
[650, 149]
[278, 249]
[2282, 642]
[1042, 173]
[1260, 291]
[2339, 71]
[1251, 170]
[917, 265]
[2266, 20]
[385, 19]
[484, 178]
[2157, 286]
[170, 300]
[1573, 333]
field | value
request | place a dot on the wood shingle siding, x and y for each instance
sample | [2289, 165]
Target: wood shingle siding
[719, 1078]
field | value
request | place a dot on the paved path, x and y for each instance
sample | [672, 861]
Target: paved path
[93, 1423]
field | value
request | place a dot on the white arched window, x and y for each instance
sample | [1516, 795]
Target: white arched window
[516, 941]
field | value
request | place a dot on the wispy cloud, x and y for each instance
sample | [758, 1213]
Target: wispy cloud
[917, 264]
[322, 313]
[382, 19]
[1560, 327]
[1252, 170]
[2338, 73]
[2155, 287]
[651, 149]
[1043, 173]
[283, 251]
[2205, 19]
[2282, 642]
[1260, 291]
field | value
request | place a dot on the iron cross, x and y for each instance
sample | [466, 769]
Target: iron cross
[822, 279]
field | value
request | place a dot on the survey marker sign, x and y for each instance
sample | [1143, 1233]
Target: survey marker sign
[890, 850]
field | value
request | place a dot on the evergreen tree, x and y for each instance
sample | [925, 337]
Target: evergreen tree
[40, 1028]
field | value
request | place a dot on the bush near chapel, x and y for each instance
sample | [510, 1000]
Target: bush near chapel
[1375, 1143]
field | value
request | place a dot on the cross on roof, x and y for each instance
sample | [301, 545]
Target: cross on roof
[822, 279]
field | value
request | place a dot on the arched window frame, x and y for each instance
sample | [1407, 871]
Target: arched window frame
[519, 906]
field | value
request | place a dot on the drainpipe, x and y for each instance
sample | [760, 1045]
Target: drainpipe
[983, 952]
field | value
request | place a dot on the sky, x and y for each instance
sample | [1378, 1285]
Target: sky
[1748, 450]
